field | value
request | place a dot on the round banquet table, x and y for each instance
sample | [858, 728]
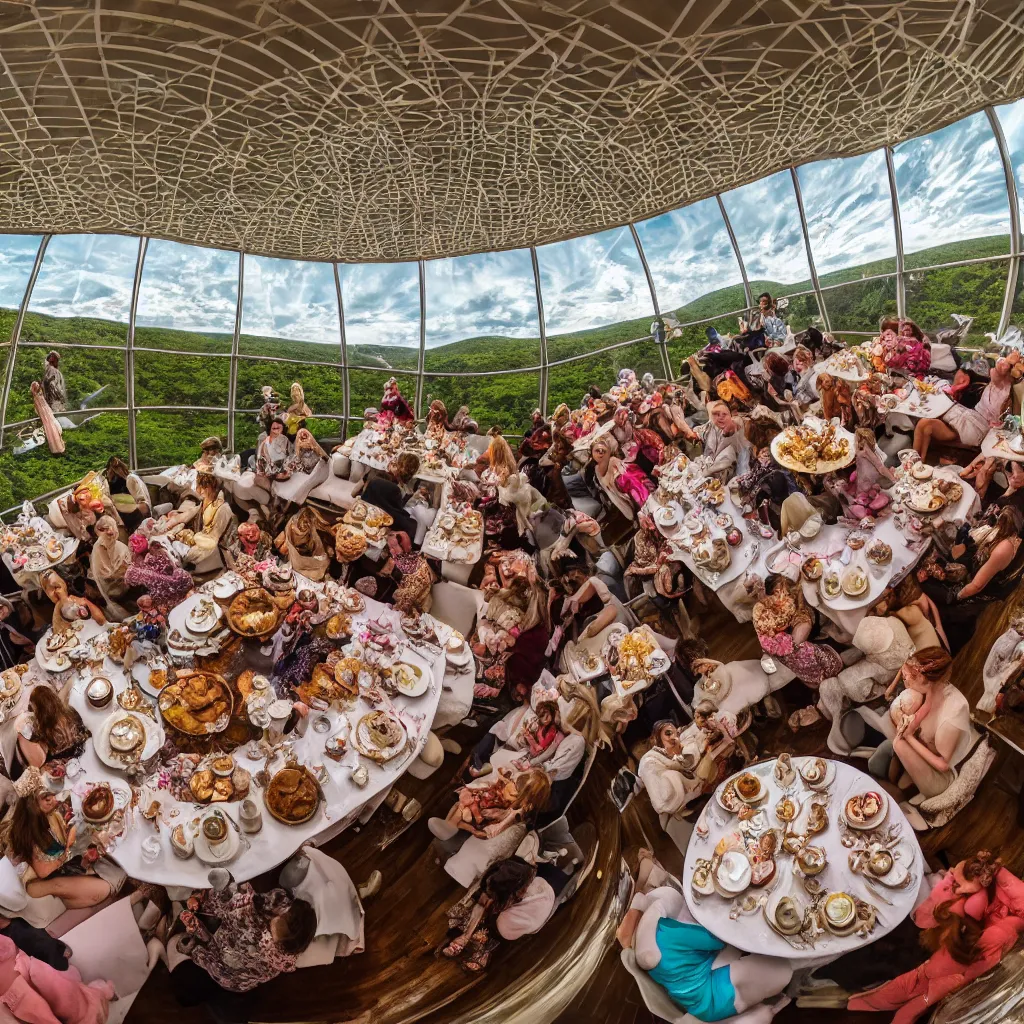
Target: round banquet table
[750, 931]
[276, 841]
[821, 468]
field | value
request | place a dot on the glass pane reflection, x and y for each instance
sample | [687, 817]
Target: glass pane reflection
[849, 216]
[594, 287]
[766, 223]
[293, 301]
[692, 262]
[187, 298]
[952, 194]
[481, 312]
[382, 313]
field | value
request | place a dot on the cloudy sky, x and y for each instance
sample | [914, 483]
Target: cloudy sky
[950, 187]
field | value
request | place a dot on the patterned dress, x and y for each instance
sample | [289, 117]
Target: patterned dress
[242, 953]
[775, 617]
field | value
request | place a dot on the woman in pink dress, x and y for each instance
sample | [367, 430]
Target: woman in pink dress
[31, 990]
[52, 429]
[973, 918]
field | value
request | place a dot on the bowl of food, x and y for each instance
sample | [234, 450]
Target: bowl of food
[831, 586]
[812, 568]
[813, 771]
[293, 795]
[455, 643]
[100, 692]
[880, 863]
[733, 537]
[840, 909]
[865, 810]
[811, 860]
[734, 872]
[126, 734]
[854, 581]
[667, 517]
[98, 804]
[181, 842]
[223, 766]
[254, 613]
[786, 810]
[879, 553]
[856, 540]
[749, 788]
[198, 704]
[921, 471]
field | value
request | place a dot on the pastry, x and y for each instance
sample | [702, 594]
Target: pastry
[98, 804]
[292, 795]
[253, 613]
[200, 703]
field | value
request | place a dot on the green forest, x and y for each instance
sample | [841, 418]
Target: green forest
[505, 392]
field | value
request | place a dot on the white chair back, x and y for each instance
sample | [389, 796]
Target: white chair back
[654, 996]
[456, 605]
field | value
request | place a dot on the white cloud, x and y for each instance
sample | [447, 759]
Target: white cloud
[592, 282]
[17, 254]
[290, 299]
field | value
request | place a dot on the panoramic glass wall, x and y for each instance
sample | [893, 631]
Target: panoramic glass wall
[162, 344]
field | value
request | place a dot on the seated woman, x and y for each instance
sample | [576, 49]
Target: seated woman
[505, 825]
[258, 937]
[121, 480]
[498, 465]
[154, 572]
[700, 974]
[512, 900]
[512, 634]
[865, 494]
[806, 373]
[972, 919]
[108, 562]
[215, 519]
[301, 466]
[209, 450]
[916, 610]
[390, 491]
[783, 623]
[836, 400]
[624, 484]
[674, 778]
[780, 381]
[905, 349]
[969, 426]
[298, 411]
[932, 723]
[411, 574]
[272, 453]
[989, 558]
[726, 449]
[41, 840]
[67, 609]
[303, 543]
[48, 731]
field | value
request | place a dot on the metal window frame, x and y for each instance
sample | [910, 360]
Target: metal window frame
[420, 374]
[1013, 269]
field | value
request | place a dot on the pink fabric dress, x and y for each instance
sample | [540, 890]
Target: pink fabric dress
[633, 481]
[51, 428]
[918, 991]
[33, 992]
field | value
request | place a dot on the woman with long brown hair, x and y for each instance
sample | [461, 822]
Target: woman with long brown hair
[972, 918]
[41, 838]
[932, 721]
[48, 731]
[302, 543]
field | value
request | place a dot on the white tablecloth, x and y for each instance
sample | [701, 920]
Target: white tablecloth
[276, 842]
[751, 932]
[995, 446]
[924, 407]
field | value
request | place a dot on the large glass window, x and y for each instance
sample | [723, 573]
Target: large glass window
[502, 400]
[188, 298]
[1011, 119]
[166, 379]
[173, 438]
[849, 218]
[692, 262]
[481, 312]
[83, 293]
[594, 292]
[976, 289]
[860, 305]
[766, 223]
[321, 386]
[952, 194]
[17, 257]
[381, 303]
[28, 470]
[290, 309]
[569, 382]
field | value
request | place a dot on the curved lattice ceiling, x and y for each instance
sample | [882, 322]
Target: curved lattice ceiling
[392, 129]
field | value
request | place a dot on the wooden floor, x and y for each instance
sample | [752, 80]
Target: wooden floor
[571, 971]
